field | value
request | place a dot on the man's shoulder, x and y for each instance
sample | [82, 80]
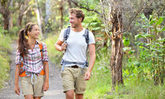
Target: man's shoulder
[66, 28]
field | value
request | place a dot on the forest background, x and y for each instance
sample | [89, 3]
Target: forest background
[129, 34]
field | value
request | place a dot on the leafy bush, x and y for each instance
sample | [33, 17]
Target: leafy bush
[148, 62]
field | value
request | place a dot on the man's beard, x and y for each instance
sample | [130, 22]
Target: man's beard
[74, 26]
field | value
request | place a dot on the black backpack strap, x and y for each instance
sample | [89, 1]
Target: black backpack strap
[66, 33]
[86, 35]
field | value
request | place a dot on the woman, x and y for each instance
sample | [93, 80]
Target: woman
[31, 63]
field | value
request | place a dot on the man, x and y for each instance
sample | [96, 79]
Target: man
[75, 41]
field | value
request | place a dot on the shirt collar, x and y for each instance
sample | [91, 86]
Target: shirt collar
[37, 42]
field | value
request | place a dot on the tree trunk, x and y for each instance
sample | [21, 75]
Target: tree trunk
[20, 20]
[11, 21]
[61, 12]
[24, 8]
[20, 16]
[39, 18]
[117, 46]
[48, 13]
[11, 15]
[6, 18]
[4, 10]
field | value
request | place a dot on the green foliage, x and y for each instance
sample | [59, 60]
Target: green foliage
[149, 63]
[1, 17]
[2, 31]
[4, 57]
[92, 21]
[5, 41]
[54, 55]
[14, 30]
[92, 4]
[138, 70]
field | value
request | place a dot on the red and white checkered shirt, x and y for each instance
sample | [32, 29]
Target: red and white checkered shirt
[33, 62]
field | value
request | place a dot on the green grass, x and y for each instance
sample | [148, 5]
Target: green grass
[100, 82]
[4, 69]
[4, 58]
[140, 90]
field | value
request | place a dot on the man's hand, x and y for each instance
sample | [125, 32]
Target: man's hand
[60, 45]
[87, 75]
[63, 46]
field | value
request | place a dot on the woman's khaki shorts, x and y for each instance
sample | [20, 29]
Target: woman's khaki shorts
[73, 79]
[29, 89]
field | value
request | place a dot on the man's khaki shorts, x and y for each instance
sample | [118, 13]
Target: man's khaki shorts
[29, 89]
[73, 79]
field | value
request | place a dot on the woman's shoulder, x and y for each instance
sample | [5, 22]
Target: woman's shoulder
[42, 43]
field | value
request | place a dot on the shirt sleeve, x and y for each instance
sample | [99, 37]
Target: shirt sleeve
[61, 37]
[18, 58]
[91, 38]
[45, 53]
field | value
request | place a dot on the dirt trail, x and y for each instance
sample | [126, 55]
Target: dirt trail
[54, 92]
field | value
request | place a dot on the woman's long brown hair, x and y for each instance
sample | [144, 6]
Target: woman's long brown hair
[23, 39]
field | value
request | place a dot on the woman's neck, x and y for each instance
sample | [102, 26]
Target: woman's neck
[31, 42]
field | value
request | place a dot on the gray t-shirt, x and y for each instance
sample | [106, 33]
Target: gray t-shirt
[77, 46]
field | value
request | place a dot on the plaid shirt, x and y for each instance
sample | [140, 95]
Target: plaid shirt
[33, 62]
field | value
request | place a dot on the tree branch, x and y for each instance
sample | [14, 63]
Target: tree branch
[87, 8]
[26, 10]
[136, 14]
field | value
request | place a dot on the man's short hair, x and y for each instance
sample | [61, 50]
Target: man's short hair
[78, 12]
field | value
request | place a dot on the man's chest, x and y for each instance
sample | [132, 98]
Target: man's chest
[76, 40]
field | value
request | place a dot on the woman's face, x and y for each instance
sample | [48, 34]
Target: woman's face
[34, 32]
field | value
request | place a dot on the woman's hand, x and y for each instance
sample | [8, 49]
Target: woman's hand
[46, 86]
[17, 89]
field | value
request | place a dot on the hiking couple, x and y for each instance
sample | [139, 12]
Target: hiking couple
[32, 59]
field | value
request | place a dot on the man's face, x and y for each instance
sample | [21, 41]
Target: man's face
[74, 21]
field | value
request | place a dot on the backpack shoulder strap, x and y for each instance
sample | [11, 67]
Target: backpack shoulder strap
[87, 41]
[66, 33]
[86, 35]
[41, 49]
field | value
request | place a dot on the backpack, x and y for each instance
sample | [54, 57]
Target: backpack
[67, 32]
[22, 72]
